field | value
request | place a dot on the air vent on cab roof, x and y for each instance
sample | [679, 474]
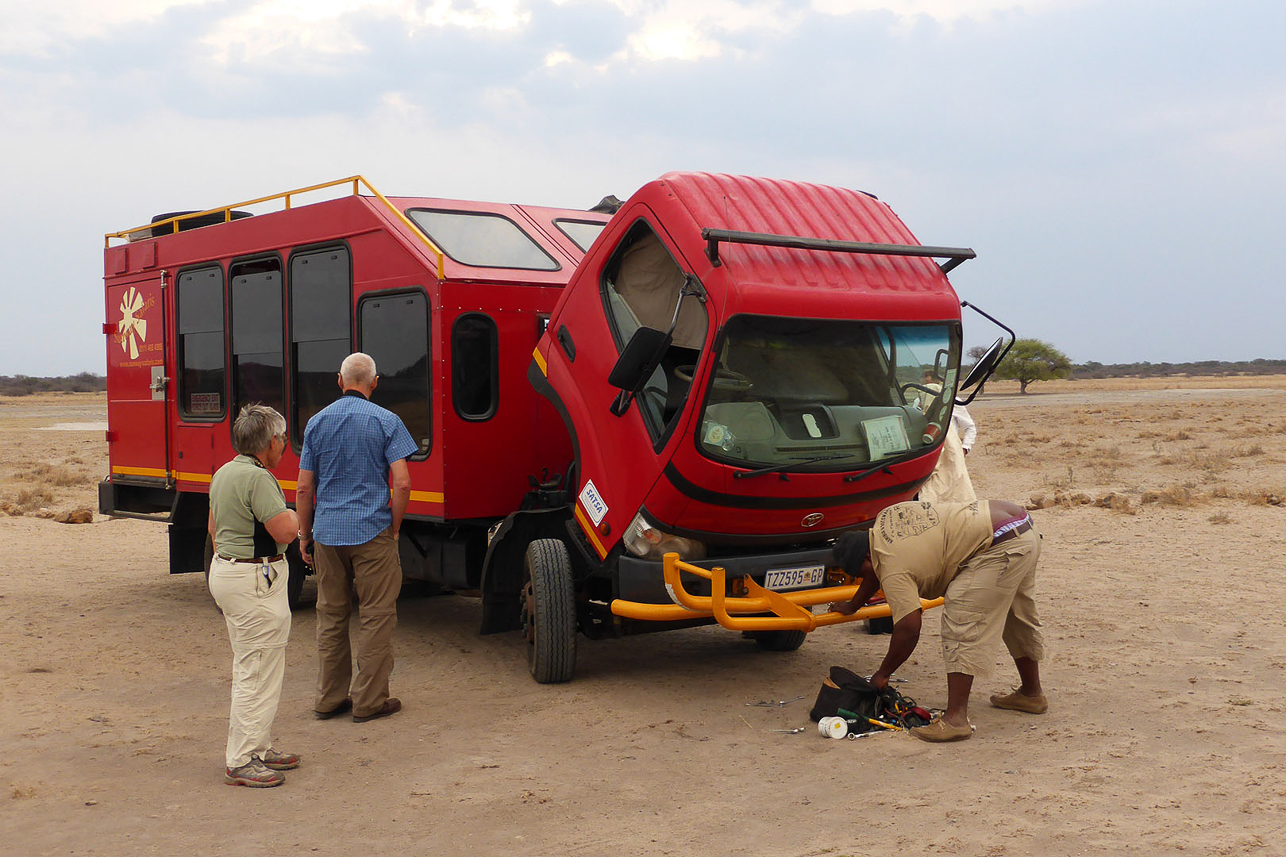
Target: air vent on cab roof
[184, 224]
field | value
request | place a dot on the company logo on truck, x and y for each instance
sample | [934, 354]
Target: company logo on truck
[131, 330]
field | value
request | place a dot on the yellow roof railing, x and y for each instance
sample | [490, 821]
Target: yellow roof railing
[287, 197]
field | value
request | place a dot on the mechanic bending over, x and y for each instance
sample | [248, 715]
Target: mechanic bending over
[981, 557]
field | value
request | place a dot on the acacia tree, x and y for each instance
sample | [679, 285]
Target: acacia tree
[1033, 360]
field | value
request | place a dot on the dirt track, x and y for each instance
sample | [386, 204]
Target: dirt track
[1167, 680]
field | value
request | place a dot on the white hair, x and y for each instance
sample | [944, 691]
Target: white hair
[357, 368]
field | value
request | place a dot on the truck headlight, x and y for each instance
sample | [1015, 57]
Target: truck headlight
[647, 542]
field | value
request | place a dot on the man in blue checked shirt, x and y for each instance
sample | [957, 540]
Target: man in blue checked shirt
[349, 523]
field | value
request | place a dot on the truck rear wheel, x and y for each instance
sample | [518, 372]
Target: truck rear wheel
[549, 611]
[779, 641]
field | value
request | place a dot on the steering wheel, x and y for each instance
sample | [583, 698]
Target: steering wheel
[724, 379]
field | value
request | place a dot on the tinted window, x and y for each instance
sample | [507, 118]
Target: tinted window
[482, 240]
[256, 333]
[202, 365]
[394, 330]
[581, 232]
[474, 370]
[320, 306]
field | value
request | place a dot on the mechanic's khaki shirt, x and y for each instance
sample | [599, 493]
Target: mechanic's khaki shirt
[917, 547]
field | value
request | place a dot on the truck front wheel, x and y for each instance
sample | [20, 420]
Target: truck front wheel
[549, 611]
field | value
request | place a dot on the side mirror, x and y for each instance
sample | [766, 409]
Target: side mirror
[985, 366]
[982, 370]
[639, 359]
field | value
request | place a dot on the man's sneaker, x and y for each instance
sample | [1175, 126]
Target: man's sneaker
[253, 774]
[278, 761]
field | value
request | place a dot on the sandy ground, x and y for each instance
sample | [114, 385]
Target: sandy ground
[1166, 675]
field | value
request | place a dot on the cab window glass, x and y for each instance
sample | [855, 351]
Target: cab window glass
[320, 306]
[482, 240]
[641, 288]
[257, 353]
[394, 331]
[581, 232]
[474, 366]
[202, 363]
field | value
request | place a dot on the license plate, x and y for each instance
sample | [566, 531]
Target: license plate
[795, 578]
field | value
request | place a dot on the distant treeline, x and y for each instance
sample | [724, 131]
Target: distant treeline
[25, 385]
[1159, 370]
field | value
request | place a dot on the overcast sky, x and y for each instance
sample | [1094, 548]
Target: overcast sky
[1119, 166]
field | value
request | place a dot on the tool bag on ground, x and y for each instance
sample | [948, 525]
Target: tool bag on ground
[845, 689]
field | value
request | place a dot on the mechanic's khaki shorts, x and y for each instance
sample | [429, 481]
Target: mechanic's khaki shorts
[991, 598]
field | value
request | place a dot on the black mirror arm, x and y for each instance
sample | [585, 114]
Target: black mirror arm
[1013, 337]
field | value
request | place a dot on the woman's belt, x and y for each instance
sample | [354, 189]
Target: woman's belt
[257, 560]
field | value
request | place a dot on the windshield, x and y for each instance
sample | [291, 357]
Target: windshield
[828, 395]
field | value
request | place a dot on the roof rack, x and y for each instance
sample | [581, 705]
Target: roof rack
[287, 198]
[953, 255]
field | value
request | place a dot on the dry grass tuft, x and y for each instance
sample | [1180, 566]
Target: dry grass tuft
[32, 499]
[1266, 498]
[53, 474]
[1179, 496]
[1220, 518]
[1252, 450]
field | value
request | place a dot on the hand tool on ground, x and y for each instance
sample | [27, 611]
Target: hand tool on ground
[790, 731]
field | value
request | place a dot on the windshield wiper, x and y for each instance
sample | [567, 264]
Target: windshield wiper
[775, 468]
[883, 465]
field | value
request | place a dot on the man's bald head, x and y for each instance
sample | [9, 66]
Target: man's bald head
[357, 372]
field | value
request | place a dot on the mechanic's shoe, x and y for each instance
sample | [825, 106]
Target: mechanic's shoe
[1017, 701]
[253, 774]
[275, 760]
[940, 730]
[392, 705]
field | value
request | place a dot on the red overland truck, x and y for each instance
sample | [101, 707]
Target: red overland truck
[629, 420]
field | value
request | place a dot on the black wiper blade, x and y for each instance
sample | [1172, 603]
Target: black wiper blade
[775, 468]
[883, 465]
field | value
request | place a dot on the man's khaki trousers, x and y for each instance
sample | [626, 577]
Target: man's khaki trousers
[375, 573]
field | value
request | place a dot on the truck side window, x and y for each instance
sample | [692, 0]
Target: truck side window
[320, 307]
[256, 333]
[641, 286]
[475, 362]
[202, 362]
[394, 330]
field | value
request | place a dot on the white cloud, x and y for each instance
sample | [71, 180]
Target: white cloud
[32, 28]
[945, 11]
[321, 26]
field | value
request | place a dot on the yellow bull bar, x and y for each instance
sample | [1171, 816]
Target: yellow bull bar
[790, 609]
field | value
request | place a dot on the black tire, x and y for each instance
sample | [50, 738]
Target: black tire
[881, 625]
[549, 611]
[779, 641]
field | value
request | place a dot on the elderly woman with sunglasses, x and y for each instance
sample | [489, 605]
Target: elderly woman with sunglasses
[251, 527]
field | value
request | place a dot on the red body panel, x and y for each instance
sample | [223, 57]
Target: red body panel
[678, 486]
[475, 469]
